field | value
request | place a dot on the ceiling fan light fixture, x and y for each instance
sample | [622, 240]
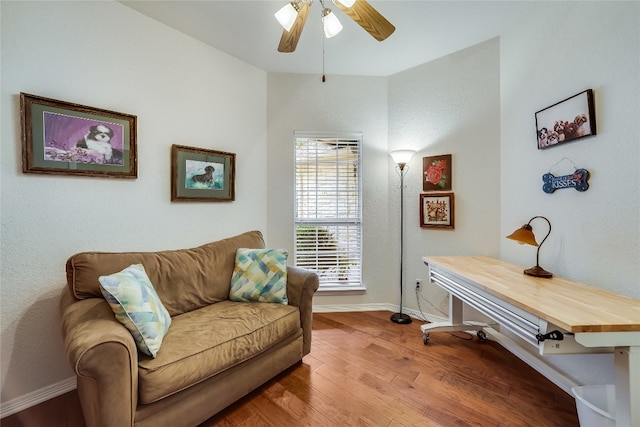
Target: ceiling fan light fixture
[330, 23]
[360, 11]
[346, 3]
[287, 15]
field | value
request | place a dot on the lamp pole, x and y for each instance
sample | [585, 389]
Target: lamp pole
[401, 317]
[538, 271]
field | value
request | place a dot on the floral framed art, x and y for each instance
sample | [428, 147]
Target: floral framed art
[436, 173]
[61, 137]
[199, 174]
[437, 210]
[567, 120]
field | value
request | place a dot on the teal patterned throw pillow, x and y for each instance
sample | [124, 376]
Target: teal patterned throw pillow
[260, 275]
[137, 306]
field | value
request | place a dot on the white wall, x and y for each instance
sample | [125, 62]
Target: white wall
[447, 106]
[342, 103]
[187, 93]
[479, 105]
[596, 234]
[182, 91]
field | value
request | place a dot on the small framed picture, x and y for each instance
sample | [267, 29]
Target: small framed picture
[437, 210]
[198, 174]
[71, 139]
[567, 120]
[436, 173]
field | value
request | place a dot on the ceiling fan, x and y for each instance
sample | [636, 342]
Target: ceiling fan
[293, 16]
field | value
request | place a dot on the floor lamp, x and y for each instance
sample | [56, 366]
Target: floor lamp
[401, 159]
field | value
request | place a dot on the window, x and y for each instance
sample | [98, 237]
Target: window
[328, 207]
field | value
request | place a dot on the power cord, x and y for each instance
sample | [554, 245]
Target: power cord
[424, 317]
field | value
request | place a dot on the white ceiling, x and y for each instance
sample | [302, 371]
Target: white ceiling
[425, 30]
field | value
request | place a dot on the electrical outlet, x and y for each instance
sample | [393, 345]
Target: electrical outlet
[418, 283]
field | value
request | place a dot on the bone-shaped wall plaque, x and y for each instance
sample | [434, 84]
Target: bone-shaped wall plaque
[577, 180]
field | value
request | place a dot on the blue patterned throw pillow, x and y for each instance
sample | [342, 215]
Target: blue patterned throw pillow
[260, 275]
[137, 306]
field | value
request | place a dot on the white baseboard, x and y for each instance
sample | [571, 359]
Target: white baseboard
[336, 308]
[49, 392]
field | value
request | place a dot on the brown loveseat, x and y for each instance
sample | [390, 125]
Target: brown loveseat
[215, 351]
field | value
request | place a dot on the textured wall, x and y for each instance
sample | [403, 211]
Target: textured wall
[342, 103]
[448, 106]
[182, 91]
[596, 234]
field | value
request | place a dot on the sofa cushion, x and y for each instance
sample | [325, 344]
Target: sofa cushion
[185, 279]
[136, 305]
[207, 341]
[260, 275]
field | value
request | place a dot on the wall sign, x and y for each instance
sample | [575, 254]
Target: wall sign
[578, 180]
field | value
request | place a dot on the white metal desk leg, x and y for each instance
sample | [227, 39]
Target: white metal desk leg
[627, 363]
[456, 308]
[455, 323]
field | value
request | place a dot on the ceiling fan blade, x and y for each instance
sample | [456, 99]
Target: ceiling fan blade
[289, 39]
[368, 18]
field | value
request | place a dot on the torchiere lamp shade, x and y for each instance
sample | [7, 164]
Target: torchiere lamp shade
[401, 157]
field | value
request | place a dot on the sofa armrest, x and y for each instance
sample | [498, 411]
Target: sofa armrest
[301, 285]
[104, 356]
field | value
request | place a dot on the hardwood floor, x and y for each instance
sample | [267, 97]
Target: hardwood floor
[365, 370]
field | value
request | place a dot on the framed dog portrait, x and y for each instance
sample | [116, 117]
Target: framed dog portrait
[198, 174]
[567, 120]
[437, 210]
[64, 138]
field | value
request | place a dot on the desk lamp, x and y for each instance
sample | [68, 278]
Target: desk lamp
[524, 235]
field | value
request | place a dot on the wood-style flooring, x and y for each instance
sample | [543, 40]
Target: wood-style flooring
[365, 370]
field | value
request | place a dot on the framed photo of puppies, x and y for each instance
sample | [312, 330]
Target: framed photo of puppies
[198, 174]
[60, 137]
[567, 120]
[437, 210]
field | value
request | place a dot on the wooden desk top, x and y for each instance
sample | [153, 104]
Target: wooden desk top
[572, 306]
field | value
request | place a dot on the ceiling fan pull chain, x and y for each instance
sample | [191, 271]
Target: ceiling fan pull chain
[324, 78]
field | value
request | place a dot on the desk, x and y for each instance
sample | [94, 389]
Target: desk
[587, 318]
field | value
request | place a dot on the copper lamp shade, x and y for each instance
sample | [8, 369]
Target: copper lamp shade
[524, 235]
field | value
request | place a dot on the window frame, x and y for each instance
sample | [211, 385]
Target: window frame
[352, 226]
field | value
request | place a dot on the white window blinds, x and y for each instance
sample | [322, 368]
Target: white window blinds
[328, 207]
